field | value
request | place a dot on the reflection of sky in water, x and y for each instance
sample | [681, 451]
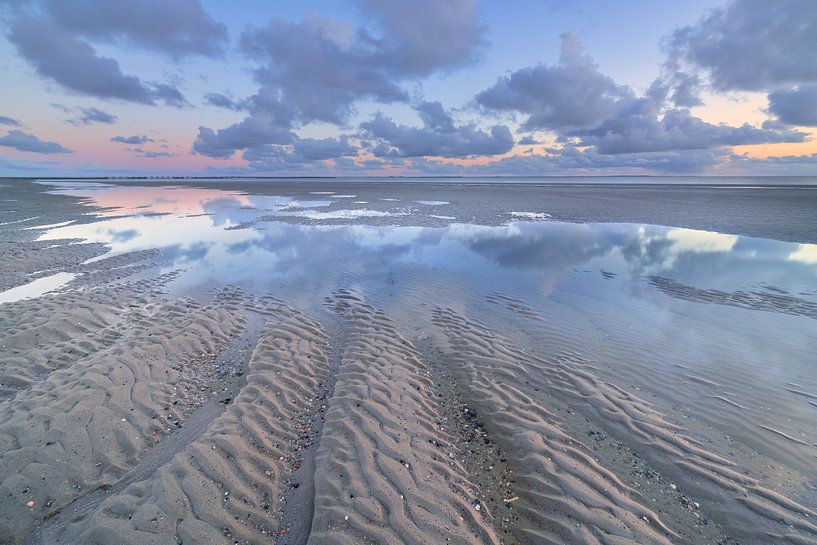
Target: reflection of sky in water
[36, 288]
[196, 229]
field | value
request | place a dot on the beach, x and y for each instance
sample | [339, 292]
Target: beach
[395, 361]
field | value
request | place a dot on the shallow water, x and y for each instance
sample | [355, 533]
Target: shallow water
[36, 288]
[234, 236]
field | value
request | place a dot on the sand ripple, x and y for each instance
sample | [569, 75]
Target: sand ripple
[382, 475]
[83, 427]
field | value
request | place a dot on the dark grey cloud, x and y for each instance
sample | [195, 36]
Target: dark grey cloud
[322, 66]
[168, 94]
[252, 132]
[23, 141]
[422, 36]
[570, 94]
[270, 122]
[580, 161]
[319, 149]
[438, 136]
[177, 28]
[527, 141]
[678, 88]
[73, 63]
[306, 153]
[586, 108]
[751, 45]
[756, 45]
[56, 37]
[685, 161]
[9, 121]
[637, 128]
[317, 69]
[787, 165]
[796, 106]
[91, 116]
[223, 101]
[134, 140]
[151, 154]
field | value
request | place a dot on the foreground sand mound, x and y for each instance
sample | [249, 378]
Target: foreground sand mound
[228, 485]
[83, 427]
[55, 331]
[385, 473]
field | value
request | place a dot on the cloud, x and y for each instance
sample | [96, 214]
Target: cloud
[252, 132]
[312, 149]
[177, 28]
[751, 45]
[423, 36]
[322, 66]
[438, 136]
[148, 154]
[587, 109]
[787, 165]
[223, 101]
[75, 65]
[684, 161]
[303, 153]
[527, 141]
[56, 37]
[168, 94]
[637, 128]
[571, 94]
[571, 160]
[9, 121]
[23, 141]
[681, 89]
[317, 69]
[137, 139]
[90, 116]
[755, 45]
[795, 106]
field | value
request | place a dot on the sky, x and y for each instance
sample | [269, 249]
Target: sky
[388, 87]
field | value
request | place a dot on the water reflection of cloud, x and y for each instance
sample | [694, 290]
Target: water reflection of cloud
[145, 232]
[212, 249]
[710, 259]
[690, 240]
[124, 236]
[804, 253]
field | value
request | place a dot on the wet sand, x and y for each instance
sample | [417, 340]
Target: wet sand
[403, 378]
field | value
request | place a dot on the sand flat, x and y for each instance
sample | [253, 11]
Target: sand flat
[216, 371]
